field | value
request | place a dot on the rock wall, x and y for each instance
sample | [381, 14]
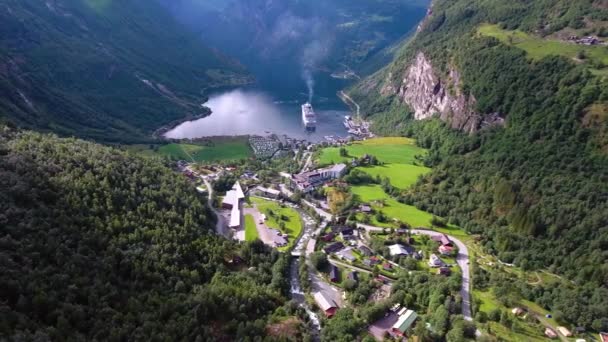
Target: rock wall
[428, 95]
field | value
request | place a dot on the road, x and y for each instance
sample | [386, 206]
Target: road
[324, 214]
[463, 262]
[308, 162]
[221, 228]
[353, 102]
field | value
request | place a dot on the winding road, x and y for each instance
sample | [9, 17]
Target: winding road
[462, 259]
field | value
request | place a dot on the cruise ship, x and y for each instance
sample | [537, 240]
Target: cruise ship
[309, 118]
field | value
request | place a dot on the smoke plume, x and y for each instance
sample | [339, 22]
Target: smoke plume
[312, 56]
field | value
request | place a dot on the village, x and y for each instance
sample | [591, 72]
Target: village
[351, 251]
[344, 251]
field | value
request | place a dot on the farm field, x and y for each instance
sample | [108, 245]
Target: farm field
[293, 222]
[251, 231]
[401, 175]
[221, 149]
[538, 48]
[387, 150]
[393, 209]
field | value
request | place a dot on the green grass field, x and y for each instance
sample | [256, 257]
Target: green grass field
[394, 209]
[537, 47]
[251, 231]
[224, 149]
[401, 175]
[293, 226]
[387, 150]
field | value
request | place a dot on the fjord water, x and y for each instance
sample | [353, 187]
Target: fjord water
[264, 109]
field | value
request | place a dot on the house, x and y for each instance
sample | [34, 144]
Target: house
[564, 331]
[435, 261]
[336, 229]
[365, 250]
[444, 240]
[372, 261]
[333, 248]
[347, 254]
[326, 304]
[445, 250]
[603, 337]
[366, 209]
[405, 321]
[444, 271]
[347, 234]
[334, 274]
[550, 333]
[328, 237]
[354, 276]
[517, 311]
[398, 249]
[267, 192]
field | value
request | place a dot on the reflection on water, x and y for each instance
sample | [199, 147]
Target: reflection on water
[243, 112]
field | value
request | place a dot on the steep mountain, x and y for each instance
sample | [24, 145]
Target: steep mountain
[513, 110]
[103, 69]
[281, 40]
[97, 244]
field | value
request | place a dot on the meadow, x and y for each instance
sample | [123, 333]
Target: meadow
[212, 150]
[401, 176]
[387, 150]
[538, 48]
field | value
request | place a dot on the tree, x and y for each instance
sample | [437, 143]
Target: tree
[440, 320]
[319, 260]
[343, 152]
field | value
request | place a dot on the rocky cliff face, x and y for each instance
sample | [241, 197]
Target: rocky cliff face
[429, 95]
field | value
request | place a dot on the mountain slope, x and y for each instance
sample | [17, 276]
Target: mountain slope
[109, 70]
[99, 245]
[280, 40]
[527, 167]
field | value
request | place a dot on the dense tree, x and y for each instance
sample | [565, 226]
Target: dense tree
[101, 245]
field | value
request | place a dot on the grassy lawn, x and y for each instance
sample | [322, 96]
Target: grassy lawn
[220, 149]
[387, 150]
[401, 175]
[293, 224]
[392, 208]
[488, 302]
[402, 212]
[537, 47]
[251, 231]
[526, 333]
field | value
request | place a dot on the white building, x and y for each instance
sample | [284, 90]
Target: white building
[398, 249]
[308, 181]
[435, 261]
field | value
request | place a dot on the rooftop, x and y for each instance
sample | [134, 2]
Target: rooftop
[405, 321]
[324, 302]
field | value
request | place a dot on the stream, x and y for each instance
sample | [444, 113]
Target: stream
[296, 291]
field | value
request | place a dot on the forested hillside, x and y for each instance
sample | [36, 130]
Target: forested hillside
[96, 244]
[535, 188]
[108, 70]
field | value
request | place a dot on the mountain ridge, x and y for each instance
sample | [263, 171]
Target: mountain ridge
[62, 62]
